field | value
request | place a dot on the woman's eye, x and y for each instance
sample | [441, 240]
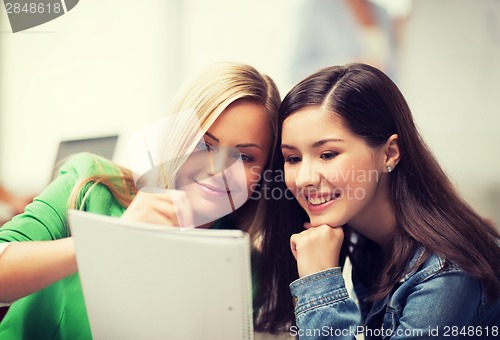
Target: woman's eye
[328, 155]
[246, 158]
[238, 155]
[292, 159]
[202, 146]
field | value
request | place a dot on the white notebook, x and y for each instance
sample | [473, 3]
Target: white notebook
[144, 281]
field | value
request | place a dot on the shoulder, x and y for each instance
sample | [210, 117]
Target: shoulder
[437, 275]
[85, 164]
[433, 266]
[453, 297]
[93, 183]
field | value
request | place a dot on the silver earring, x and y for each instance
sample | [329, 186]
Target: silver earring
[388, 168]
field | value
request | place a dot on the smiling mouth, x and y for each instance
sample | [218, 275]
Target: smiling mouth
[212, 189]
[321, 201]
[317, 200]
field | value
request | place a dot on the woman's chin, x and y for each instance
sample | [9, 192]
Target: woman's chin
[200, 220]
[316, 221]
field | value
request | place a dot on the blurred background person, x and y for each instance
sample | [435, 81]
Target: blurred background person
[11, 204]
[334, 32]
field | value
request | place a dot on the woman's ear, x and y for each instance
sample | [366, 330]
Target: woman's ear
[392, 154]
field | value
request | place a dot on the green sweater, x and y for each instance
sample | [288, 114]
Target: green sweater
[58, 311]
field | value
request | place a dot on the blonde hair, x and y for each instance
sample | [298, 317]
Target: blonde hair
[121, 186]
[196, 107]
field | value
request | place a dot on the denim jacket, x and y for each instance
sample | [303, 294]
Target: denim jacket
[430, 302]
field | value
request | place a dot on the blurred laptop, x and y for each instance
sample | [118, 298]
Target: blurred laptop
[102, 146]
[145, 281]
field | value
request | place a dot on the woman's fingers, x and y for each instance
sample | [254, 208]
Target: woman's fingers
[161, 206]
[182, 209]
[317, 248]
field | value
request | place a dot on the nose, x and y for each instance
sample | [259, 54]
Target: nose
[221, 160]
[306, 175]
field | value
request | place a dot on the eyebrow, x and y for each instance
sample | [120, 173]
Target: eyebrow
[212, 136]
[243, 145]
[250, 145]
[315, 144]
[324, 141]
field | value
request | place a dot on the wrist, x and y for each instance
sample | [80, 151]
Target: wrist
[306, 270]
[68, 252]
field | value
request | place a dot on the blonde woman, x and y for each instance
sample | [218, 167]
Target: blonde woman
[228, 106]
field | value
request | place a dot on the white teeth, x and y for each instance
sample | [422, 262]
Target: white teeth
[318, 200]
[314, 200]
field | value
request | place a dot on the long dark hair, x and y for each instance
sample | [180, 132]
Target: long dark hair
[428, 210]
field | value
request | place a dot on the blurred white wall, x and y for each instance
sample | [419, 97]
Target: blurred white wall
[450, 75]
[257, 32]
[100, 69]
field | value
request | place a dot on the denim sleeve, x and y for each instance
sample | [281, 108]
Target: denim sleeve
[438, 307]
[323, 308]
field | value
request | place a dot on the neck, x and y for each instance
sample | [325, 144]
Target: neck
[378, 221]
[380, 232]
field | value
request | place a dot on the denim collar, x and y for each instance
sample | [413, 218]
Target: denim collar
[412, 267]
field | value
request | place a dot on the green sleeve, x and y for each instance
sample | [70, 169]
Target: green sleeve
[46, 217]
